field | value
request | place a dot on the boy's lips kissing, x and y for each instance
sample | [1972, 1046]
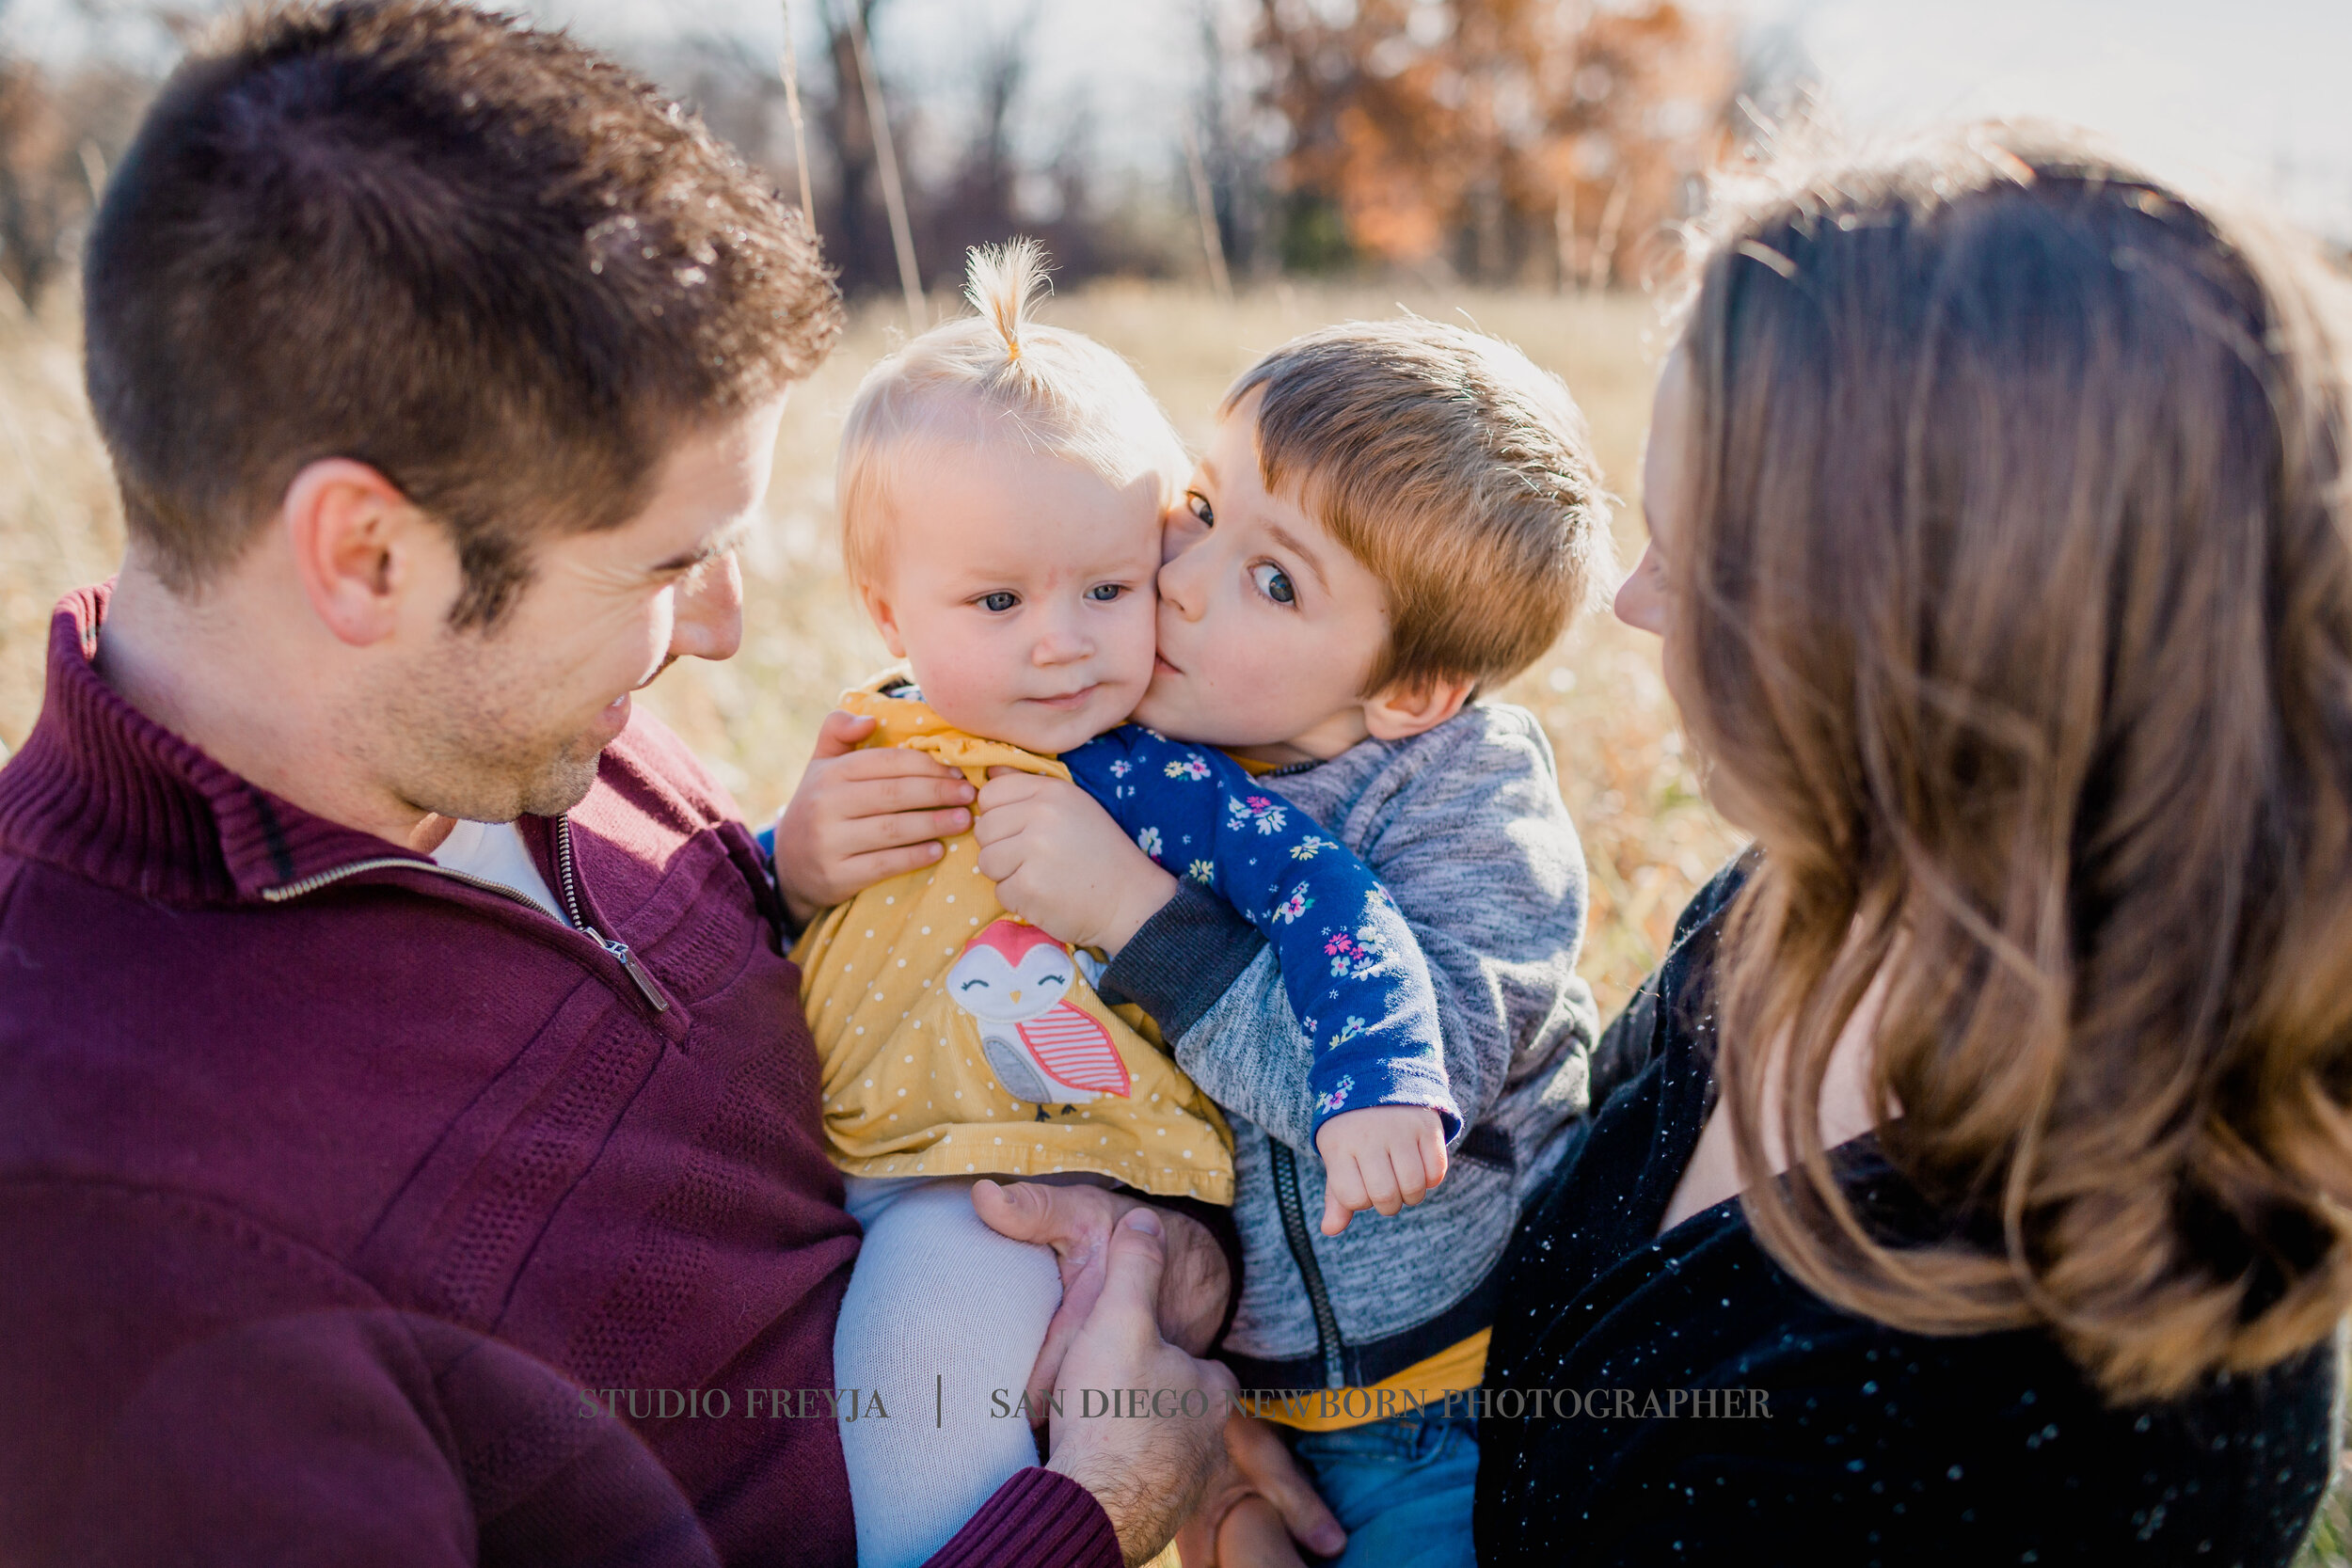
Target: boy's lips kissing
[1159, 663]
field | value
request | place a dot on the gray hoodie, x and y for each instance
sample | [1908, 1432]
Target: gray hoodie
[1465, 825]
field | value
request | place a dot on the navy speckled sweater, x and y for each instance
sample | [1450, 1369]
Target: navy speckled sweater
[1880, 1445]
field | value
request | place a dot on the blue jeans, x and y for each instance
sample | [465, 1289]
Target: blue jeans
[1402, 1488]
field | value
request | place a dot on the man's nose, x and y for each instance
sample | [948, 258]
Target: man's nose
[707, 618]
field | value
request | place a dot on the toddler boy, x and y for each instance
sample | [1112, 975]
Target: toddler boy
[1391, 518]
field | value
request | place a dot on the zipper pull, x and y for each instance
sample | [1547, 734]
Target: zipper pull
[637, 972]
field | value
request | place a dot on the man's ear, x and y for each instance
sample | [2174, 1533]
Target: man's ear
[1404, 709]
[878, 611]
[357, 541]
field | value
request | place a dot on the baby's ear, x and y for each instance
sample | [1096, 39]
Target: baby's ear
[1406, 709]
[878, 611]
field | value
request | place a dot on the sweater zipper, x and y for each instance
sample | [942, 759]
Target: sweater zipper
[629, 960]
[614, 946]
[1329, 1345]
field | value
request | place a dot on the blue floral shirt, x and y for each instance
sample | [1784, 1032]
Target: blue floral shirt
[1356, 978]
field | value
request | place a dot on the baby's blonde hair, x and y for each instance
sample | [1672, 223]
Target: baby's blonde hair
[997, 375]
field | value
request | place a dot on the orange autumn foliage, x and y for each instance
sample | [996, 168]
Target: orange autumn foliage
[1510, 140]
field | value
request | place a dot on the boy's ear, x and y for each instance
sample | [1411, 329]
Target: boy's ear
[878, 611]
[1405, 709]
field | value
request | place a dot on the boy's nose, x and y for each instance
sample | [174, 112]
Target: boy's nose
[1179, 582]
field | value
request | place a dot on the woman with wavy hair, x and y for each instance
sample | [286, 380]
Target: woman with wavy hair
[1977, 1183]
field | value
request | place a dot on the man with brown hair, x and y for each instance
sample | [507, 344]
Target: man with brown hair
[410, 1150]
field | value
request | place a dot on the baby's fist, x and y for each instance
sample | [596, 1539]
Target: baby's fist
[1381, 1157]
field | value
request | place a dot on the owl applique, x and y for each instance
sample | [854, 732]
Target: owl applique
[1015, 980]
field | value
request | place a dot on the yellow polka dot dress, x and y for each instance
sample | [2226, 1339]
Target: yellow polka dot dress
[958, 1040]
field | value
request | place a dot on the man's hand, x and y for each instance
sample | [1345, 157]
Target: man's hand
[1078, 1221]
[1149, 1473]
[1060, 863]
[861, 816]
[1255, 1505]
[1381, 1157]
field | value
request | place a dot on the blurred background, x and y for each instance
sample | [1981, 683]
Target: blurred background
[1211, 177]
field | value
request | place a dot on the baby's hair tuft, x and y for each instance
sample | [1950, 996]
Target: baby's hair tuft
[997, 375]
[1003, 282]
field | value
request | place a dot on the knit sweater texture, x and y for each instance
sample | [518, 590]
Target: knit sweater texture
[1464, 825]
[340, 1193]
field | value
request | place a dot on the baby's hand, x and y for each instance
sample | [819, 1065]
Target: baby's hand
[1060, 862]
[1381, 1157]
[861, 816]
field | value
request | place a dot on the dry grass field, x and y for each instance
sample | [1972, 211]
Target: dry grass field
[1648, 837]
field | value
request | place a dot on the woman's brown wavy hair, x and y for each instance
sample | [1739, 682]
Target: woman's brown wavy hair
[2014, 610]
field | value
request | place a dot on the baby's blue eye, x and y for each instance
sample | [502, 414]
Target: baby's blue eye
[1273, 582]
[1198, 504]
[1103, 592]
[999, 603]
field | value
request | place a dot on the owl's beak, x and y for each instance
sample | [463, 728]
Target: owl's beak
[1016, 996]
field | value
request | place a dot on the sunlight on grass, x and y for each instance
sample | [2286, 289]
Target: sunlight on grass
[1648, 837]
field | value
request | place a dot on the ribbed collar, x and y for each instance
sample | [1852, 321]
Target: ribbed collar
[104, 792]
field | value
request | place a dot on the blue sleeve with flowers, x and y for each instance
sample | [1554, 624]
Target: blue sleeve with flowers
[1356, 977]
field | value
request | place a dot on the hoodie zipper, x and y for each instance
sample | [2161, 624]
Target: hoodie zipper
[629, 960]
[1329, 1345]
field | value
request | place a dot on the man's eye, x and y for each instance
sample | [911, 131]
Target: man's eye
[1198, 504]
[1273, 582]
[1103, 592]
[998, 603]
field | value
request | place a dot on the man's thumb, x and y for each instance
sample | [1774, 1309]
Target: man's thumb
[840, 733]
[1139, 1252]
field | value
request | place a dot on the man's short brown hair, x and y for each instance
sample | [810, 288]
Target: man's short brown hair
[1456, 470]
[478, 257]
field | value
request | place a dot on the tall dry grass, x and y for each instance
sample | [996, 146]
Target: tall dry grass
[1648, 837]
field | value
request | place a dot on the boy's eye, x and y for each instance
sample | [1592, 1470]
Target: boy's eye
[1198, 504]
[1273, 582]
[1103, 592]
[998, 603]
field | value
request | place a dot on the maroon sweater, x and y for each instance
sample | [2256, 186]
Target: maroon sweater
[329, 1181]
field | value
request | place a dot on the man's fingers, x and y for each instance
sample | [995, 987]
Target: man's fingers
[840, 733]
[1028, 1212]
[1252, 1535]
[1260, 1454]
[1131, 1278]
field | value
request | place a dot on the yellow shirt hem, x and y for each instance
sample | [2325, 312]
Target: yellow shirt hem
[1459, 1366]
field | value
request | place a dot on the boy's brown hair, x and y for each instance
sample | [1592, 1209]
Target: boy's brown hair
[1456, 470]
[477, 257]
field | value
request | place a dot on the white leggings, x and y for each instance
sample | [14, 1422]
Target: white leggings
[941, 1313]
